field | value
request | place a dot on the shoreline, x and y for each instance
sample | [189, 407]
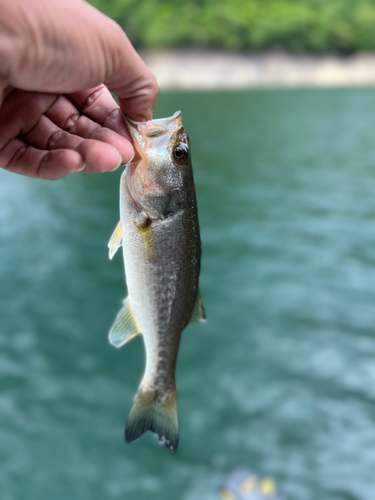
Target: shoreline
[194, 69]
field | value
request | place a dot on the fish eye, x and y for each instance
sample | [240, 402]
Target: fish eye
[181, 153]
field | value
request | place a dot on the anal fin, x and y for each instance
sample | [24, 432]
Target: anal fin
[116, 240]
[125, 326]
[198, 313]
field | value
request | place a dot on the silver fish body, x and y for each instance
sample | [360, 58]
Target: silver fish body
[162, 251]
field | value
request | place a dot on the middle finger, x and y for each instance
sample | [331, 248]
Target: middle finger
[67, 117]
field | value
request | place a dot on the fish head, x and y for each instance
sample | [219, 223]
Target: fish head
[161, 171]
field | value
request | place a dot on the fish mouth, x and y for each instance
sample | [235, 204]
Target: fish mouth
[141, 131]
[161, 122]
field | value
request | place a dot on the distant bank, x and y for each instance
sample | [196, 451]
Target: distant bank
[203, 69]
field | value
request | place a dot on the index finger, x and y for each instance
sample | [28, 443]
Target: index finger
[99, 105]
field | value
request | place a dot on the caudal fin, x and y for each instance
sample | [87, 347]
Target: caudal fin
[156, 415]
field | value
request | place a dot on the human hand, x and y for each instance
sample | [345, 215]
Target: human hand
[58, 60]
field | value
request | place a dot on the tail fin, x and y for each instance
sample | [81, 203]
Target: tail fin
[160, 416]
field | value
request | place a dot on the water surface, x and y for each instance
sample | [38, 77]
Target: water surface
[282, 376]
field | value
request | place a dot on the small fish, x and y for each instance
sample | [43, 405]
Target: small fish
[159, 233]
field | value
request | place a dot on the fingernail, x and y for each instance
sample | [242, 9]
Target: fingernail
[82, 168]
[118, 165]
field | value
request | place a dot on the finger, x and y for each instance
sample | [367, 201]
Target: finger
[66, 116]
[22, 159]
[98, 104]
[132, 82]
[140, 107]
[98, 156]
[21, 111]
[88, 129]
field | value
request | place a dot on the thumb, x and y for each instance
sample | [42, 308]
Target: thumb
[131, 81]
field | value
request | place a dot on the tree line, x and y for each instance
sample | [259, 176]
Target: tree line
[296, 25]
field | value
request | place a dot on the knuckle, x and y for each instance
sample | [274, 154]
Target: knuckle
[92, 98]
[54, 139]
[113, 117]
[71, 122]
[18, 154]
[44, 161]
[153, 86]
[9, 163]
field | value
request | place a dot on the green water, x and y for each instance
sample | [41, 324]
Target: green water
[282, 376]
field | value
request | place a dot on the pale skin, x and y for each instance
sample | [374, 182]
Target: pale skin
[59, 60]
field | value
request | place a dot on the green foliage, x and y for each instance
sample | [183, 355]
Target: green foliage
[296, 25]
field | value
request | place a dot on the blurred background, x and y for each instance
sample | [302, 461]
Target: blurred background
[298, 26]
[281, 378]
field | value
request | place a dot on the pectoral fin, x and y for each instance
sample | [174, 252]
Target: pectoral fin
[116, 240]
[198, 313]
[125, 326]
[149, 243]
